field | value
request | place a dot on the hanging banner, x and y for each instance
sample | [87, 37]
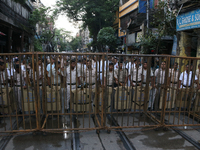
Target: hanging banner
[174, 46]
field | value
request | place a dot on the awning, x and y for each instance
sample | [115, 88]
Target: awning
[1, 33]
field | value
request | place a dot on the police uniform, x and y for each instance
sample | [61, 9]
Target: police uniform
[40, 81]
[129, 65]
[111, 76]
[160, 80]
[173, 77]
[90, 77]
[55, 78]
[3, 77]
[70, 83]
[186, 81]
[145, 76]
[18, 87]
[136, 75]
[121, 74]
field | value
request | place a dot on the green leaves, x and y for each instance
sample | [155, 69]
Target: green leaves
[94, 14]
[106, 36]
[163, 23]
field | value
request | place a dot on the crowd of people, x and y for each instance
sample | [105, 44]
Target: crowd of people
[70, 72]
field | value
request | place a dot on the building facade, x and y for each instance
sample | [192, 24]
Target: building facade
[188, 28]
[14, 26]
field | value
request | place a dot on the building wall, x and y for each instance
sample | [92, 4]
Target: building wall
[124, 10]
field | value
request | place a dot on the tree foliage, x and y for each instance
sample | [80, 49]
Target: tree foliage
[75, 43]
[94, 14]
[163, 23]
[46, 37]
[106, 37]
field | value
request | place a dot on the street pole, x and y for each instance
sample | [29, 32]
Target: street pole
[147, 14]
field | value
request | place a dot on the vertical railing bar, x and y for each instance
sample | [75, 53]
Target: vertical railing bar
[8, 93]
[45, 84]
[22, 88]
[28, 84]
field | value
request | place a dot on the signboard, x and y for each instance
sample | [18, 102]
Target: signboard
[143, 5]
[190, 20]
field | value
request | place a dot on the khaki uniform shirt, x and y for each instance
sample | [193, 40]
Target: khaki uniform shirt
[40, 73]
[56, 78]
[16, 77]
[121, 75]
[110, 77]
[198, 75]
[90, 75]
[174, 75]
[145, 75]
[136, 74]
[3, 76]
[74, 78]
[160, 75]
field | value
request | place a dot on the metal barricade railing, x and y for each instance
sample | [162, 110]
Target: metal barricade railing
[52, 92]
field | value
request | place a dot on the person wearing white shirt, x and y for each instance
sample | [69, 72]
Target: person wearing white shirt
[4, 75]
[116, 65]
[198, 73]
[55, 75]
[135, 74]
[130, 65]
[90, 75]
[72, 78]
[144, 80]
[185, 79]
[159, 76]
[19, 77]
[174, 75]
[50, 65]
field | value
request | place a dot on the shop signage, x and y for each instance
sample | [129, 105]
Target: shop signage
[189, 20]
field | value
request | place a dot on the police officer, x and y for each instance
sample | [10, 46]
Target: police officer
[121, 73]
[159, 76]
[174, 75]
[110, 76]
[90, 74]
[135, 74]
[18, 75]
[4, 75]
[72, 76]
[185, 79]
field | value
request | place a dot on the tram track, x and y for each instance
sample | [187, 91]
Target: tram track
[181, 133]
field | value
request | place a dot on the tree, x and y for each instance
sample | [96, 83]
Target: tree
[106, 37]
[41, 18]
[163, 23]
[95, 14]
[76, 43]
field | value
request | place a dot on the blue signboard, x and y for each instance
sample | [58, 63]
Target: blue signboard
[188, 20]
[143, 5]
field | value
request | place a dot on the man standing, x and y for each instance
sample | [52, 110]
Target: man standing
[51, 65]
[72, 76]
[185, 79]
[135, 74]
[111, 77]
[121, 73]
[90, 75]
[174, 75]
[19, 77]
[159, 76]
[3, 75]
